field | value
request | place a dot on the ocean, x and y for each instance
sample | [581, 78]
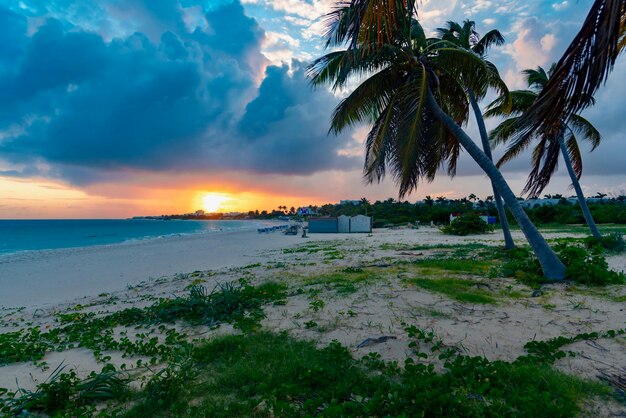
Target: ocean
[29, 235]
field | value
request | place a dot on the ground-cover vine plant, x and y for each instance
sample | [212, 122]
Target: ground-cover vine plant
[267, 374]
[238, 303]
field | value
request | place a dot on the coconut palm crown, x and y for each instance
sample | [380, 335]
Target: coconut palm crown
[582, 69]
[466, 37]
[412, 93]
[546, 152]
[406, 137]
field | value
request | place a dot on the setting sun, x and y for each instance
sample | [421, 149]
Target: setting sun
[212, 202]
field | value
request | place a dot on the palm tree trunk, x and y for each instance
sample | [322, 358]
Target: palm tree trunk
[579, 192]
[552, 267]
[504, 222]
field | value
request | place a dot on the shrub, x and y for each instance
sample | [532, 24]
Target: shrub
[521, 264]
[611, 243]
[65, 390]
[587, 267]
[468, 223]
[582, 266]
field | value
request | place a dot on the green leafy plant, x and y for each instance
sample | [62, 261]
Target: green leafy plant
[612, 243]
[466, 224]
[582, 266]
[64, 390]
[587, 267]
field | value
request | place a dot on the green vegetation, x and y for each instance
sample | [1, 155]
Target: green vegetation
[237, 303]
[265, 374]
[612, 243]
[584, 266]
[550, 350]
[259, 373]
[455, 265]
[63, 391]
[342, 281]
[462, 290]
[466, 224]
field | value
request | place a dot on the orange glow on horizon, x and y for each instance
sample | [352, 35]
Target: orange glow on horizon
[224, 202]
[45, 199]
[212, 202]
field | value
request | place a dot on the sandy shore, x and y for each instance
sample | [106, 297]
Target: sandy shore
[132, 273]
[48, 277]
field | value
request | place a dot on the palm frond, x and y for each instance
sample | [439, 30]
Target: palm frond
[367, 101]
[502, 133]
[379, 143]
[545, 159]
[417, 33]
[463, 65]
[585, 130]
[369, 23]
[520, 101]
[536, 78]
[584, 66]
[573, 152]
[505, 133]
[489, 39]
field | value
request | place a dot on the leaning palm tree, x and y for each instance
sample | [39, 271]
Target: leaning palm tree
[414, 96]
[466, 37]
[582, 69]
[562, 139]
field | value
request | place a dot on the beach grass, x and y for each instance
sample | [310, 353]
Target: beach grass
[463, 290]
[178, 366]
[267, 374]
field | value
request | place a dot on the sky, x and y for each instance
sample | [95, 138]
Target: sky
[117, 108]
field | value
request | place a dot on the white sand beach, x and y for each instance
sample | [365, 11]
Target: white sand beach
[48, 277]
[50, 282]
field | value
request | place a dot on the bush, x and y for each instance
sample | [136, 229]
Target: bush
[468, 223]
[587, 267]
[521, 264]
[612, 243]
[582, 266]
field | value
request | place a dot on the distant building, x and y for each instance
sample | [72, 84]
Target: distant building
[361, 223]
[323, 225]
[341, 224]
[305, 212]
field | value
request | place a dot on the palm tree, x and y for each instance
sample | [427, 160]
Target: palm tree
[413, 96]
[582, 69]
[466, 37]
[562, 138]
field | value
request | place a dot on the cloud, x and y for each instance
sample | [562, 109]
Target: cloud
[527, 50]
[176, 97]
[560, 6]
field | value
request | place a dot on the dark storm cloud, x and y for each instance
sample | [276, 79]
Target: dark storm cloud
[287, 126]
[186, 100]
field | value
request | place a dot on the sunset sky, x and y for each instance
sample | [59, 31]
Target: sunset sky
[117, 108]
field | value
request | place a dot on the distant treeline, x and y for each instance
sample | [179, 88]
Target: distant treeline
[391, 212]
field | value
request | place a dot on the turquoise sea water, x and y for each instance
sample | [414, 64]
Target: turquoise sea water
[24, 235]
